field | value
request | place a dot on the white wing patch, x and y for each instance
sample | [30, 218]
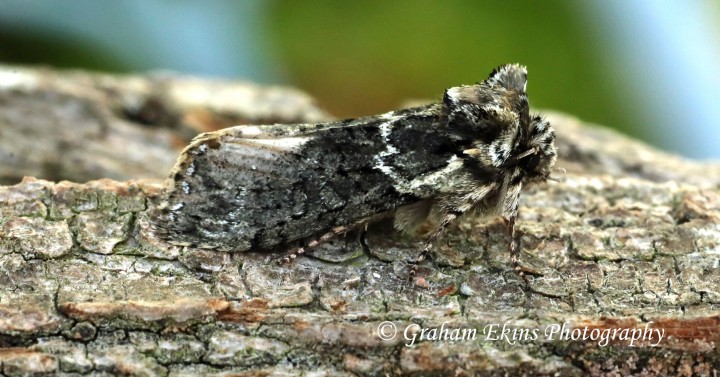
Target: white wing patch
[385, 131]
[250, 132]
[429, 183]
[286, 144]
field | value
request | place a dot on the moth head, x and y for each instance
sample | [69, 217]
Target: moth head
[537, 155]
[483, 117]
[493, 120]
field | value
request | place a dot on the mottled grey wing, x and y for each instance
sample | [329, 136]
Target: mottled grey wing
[252, 187]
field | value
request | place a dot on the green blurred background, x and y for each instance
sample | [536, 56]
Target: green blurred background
[623, 64]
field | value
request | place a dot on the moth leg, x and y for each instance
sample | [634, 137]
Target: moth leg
[514, 248]
[291, 255]
[294, 253]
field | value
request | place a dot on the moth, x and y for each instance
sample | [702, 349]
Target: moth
[267, 187]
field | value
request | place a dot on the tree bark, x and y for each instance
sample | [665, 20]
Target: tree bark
[627, 244]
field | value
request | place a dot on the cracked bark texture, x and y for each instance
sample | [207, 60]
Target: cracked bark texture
[630, 238]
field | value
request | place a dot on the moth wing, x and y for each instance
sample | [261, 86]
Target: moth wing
[262, 186]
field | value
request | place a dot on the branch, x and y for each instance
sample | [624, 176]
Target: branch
[628, 240]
